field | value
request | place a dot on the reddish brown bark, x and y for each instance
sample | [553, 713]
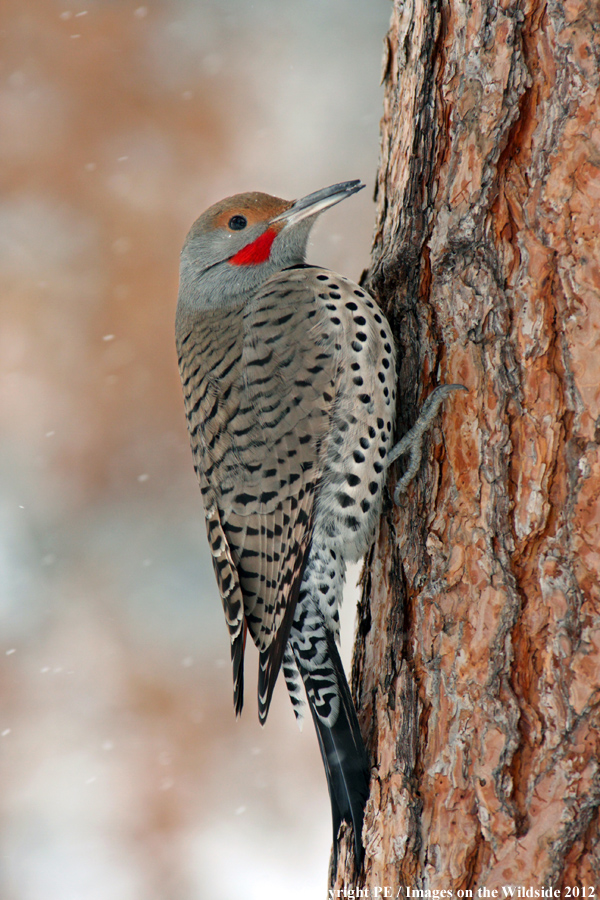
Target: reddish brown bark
[477, 668]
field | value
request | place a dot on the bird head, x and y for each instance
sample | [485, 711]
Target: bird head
[241, 241]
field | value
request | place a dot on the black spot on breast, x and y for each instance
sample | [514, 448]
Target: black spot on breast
[352, 480]
[345, 500]
[358, 456]
[373, 487]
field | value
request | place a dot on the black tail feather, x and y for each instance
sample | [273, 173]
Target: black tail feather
[344, 758]
[237, 658]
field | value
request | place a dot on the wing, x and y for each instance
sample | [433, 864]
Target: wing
[260, 384]
[200, 358]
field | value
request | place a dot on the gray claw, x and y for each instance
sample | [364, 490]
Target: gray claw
[412, 442]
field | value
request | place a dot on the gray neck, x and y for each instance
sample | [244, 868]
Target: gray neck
[223, 285]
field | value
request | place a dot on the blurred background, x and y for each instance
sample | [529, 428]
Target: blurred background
[124, 774]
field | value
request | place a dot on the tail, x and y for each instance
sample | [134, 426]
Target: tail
[340, 741]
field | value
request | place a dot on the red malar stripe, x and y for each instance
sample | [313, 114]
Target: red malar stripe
[256, 252]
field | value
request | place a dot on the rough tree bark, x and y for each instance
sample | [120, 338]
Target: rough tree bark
[477, 666]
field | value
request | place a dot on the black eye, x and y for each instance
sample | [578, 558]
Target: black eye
[236, 223]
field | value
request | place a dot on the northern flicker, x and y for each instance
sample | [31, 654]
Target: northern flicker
[289, 380]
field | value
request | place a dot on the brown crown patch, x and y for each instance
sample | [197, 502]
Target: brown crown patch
[256, 207]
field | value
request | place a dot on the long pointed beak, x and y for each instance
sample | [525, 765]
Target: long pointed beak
[315, 203]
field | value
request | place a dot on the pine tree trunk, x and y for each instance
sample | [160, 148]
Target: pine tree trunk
[477, 669]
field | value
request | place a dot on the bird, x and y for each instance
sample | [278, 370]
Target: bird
[289, 381]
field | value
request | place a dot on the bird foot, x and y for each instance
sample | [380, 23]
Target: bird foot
[412, 442]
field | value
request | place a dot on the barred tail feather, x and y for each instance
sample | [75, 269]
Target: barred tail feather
[344, 756]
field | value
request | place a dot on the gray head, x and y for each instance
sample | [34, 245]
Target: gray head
[241, 241]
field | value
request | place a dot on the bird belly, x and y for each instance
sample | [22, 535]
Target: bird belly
[362, 423]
